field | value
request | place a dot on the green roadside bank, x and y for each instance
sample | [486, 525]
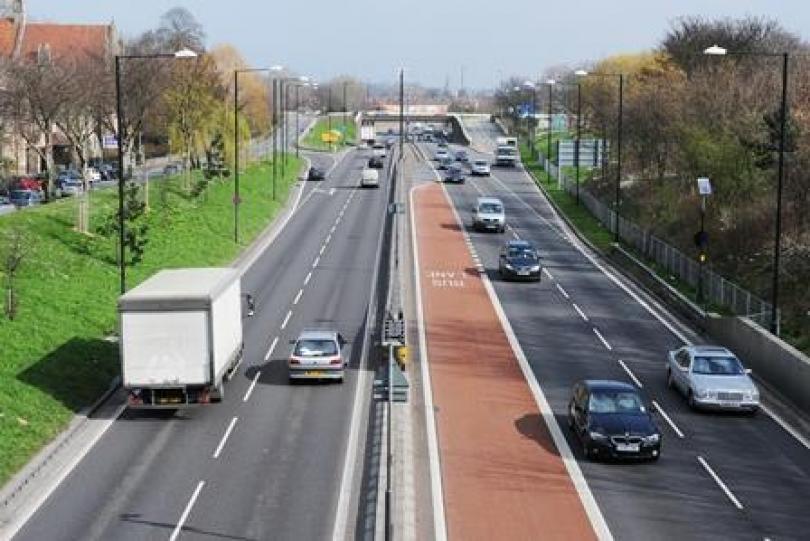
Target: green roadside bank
[54, 360]
[314, 139]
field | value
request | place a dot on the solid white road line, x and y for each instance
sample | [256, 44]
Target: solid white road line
[271, 348]
[286, 319]
[323, 249]
[186, 511]
[308, 278]
[787, 428]
[595, 516]
[354, 447]
[580, 312]
[667, 419]
[328, 239]
[253, 384]
[720, 483]
[315, 263]
[436, 489]
[632, 376]
[298, 296]
[602, 338]
[563, 291]
[547, 273]
[225, 437]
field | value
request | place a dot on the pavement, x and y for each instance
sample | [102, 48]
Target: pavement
[720, 475]
[272, 460]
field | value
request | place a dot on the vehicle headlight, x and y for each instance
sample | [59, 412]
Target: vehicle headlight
[705, 393]
[596, 435]
[508, 266]
[535, 268]
[652, 438]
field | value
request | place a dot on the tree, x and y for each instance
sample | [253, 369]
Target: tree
[136, 227]
[12, 257]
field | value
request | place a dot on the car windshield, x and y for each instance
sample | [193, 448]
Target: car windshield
[717, 366]
[615, 402]
[506, 151]
[481, 164]
[490, 208]
[522, 253]
[315, 348]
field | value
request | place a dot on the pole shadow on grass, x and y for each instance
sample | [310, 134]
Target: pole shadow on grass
[76, 373]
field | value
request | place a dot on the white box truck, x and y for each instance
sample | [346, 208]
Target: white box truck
[181, 337]
[506, 152]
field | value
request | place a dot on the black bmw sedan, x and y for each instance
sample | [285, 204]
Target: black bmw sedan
[610, 420]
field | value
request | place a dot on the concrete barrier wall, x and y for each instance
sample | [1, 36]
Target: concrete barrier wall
[783, 368]
[459, 134]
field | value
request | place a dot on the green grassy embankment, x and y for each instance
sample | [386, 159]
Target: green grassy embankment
[313, 138]
[53, 358]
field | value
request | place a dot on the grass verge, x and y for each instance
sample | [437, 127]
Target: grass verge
[313, 139]
[53, 359]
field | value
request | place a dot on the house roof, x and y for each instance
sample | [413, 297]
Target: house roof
[64, 40]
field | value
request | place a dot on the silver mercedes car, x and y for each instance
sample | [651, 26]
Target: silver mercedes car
[711, 377]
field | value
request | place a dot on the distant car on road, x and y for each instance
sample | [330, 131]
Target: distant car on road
[369, 178]
[375, 162]
[519, 261]
[454, 173]
[317, 355]
[462, 156]
[316, 173]
[480, 167]
[445, 162]
[378, 149]
[25, 198]
[441, 143]
[712, 377]
[441, 154]
[488, 214]
[390, 142]
[610, 420]
[171, 169]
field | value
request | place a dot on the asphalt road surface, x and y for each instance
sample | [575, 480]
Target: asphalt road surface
[268, 462]
[728, 477]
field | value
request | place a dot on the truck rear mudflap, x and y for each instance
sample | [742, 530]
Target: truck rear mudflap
[170, 397]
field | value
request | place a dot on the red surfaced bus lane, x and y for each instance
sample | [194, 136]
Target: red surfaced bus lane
[502, 476]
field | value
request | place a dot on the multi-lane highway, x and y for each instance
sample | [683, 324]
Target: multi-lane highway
[274, 460]
[720, 476]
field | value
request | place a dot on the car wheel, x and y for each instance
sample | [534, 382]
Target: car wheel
[585, 451]
[670, 379]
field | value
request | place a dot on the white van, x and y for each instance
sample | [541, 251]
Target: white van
[369, 177]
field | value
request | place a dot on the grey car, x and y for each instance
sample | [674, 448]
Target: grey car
[317, 355]
[711, 377]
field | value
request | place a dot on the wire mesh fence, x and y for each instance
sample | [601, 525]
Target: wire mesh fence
[717, 290]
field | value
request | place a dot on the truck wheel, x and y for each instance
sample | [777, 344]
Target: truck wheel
[219, 393]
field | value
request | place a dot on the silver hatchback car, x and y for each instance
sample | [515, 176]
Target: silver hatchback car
[317, 355]
[711, 377]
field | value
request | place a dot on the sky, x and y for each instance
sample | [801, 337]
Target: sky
[434, 40]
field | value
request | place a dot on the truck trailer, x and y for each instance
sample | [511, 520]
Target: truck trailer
[181, 337]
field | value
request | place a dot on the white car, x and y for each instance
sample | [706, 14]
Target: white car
[317, 354]
[711, 377]
[93, 174]
[369, 178]
[378, 149]
[441, 154]
[488, 214]
[480, 167]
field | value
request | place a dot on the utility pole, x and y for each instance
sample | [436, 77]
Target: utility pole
[401, 112]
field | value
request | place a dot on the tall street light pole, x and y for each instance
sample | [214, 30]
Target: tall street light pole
[119, 110]
[401, 112]
[550, 83]
[345, 111]
[716, 50]
[617, 202]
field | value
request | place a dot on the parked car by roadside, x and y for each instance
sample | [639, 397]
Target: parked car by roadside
[25, 198]
[6, 206]
[70, 187]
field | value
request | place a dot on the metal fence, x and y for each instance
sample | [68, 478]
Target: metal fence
[716, 289]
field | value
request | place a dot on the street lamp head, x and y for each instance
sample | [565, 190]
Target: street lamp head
[303, 79]
[185, 53]
[580, 73]
[551, 82]
[276, 68]
[528, 84]
[516, 89]
[715, 50]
